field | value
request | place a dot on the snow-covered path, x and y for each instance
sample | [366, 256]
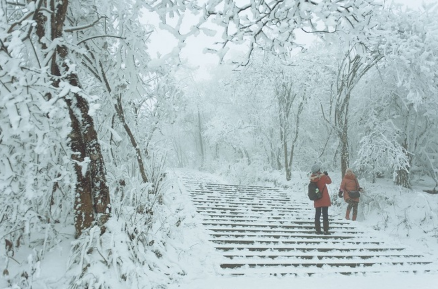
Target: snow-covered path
[267, 238]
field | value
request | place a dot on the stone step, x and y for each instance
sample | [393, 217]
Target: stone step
[213, 206]
[252, 204]
[243, 198]
[241, 220]
[324, 262]
[266, 220]
[377, 269]
[238, 190]
[236, 208]
[285, 218]
[274, 210]
[301, 255]
[268, 231]
[240, 195]
[316, 241]
[221, 224]
[304, 247]
[240, 210]
[261, 230]
[218, 227]
[291, 217]
[280, 236]
[245, 187]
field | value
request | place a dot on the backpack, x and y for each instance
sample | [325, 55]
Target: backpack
[313, 192]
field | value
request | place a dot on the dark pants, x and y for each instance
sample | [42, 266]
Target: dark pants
[324, 211]
[352, 205]
[324, 214]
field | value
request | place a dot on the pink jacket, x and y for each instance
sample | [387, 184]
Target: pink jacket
[349, 183]
[322, 182]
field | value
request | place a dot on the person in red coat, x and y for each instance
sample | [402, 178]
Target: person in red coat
[321, 205]
[350, 183]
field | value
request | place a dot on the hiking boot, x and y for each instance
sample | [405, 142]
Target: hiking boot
[318, 227]
[326, 227]
[347, 215]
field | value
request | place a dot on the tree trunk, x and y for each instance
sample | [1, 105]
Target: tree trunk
[91, 182]
[350, 71]
[403, 176]
[295, 139]
[285, 153]
[402, 179]
[83, 206]
[92, 197]
[201, 142]
[278, 159]
[121, 115]
[345, 154]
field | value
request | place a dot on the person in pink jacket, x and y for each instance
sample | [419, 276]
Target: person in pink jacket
[321, 205]
[350, 183]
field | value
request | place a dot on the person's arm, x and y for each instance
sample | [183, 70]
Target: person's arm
[342, 188]
[358, 186]
[327, 179]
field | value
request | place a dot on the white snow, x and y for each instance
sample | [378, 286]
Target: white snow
[190, 251]
[369, 217]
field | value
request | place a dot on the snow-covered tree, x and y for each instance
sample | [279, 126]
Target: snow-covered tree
[74, 74]
[412, 57]
[272, 25]
[406, 95]
[35, 47]
[351, 68]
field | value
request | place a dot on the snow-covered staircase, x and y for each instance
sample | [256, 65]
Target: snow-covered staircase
[261, 230]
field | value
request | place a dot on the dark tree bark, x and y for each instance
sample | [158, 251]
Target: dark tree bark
[350, 71]
[201, 140]
[286, 100]
[345, 149]
[83, 206]
[92, 199]
[403, 175]
[121, 115]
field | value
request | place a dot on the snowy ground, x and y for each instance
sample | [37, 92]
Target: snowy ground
[405, 216]
[398, 281]
[189, 261]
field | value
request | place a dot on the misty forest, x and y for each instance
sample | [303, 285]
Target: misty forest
[92, 123]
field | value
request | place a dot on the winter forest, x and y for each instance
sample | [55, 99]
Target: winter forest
[93, 124]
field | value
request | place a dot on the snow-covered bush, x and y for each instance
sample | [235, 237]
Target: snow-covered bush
[147, 242]
[410, 215]
[36, 177]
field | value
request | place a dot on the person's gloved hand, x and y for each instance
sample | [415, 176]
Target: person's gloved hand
[325, 173]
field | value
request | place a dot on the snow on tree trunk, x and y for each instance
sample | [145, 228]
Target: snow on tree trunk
[351, 69]
[403, 175]
[83, 206]
[345, 150]
[86, 152]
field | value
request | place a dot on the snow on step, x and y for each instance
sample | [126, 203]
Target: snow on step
[261, 230]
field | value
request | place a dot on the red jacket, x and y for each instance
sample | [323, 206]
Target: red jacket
[349, 183]
[322, 181]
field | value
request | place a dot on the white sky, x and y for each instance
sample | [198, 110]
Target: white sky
[163, 42]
